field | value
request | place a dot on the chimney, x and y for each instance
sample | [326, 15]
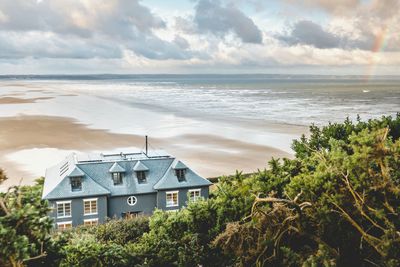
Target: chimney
[147, 147]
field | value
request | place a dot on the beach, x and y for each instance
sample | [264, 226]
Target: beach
[214, 126]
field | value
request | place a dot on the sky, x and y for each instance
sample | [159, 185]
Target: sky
[341, 37]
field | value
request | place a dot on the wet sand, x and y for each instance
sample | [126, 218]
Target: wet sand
[17, 100]
[209, 155]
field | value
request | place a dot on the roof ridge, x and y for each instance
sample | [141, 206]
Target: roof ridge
[97, 183]
[165, 173]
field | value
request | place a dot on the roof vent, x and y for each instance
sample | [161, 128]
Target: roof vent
[64, 168]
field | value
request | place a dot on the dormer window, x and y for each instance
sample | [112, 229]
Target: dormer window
[141, 170]
[117, 178]
[141, 176]
[117, 173]
[76, 183]
[180, 174]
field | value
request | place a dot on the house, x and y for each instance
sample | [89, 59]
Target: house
[88, 189]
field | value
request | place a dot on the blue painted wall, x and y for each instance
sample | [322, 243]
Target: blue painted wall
[114, 207]
[145, 204]
[182, 197]
[77, 216]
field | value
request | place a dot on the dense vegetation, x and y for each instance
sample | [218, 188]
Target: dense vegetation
[337, 203]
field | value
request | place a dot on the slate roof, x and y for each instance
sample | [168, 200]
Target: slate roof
[97, 180]
[169, 180]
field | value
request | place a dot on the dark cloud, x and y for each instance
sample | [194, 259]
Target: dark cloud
[309, 33]
[213, 18]
[181, 42]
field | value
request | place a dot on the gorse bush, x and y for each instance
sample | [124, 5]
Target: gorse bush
[24, 225]
[336, 203]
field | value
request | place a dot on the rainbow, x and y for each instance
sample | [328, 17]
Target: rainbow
[379, 45]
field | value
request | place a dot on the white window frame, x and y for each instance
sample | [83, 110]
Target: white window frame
[91, 211]
[195, 198]
[63, 223]
[127, 200]
[120, 177]
[63, 203]
[177, 199]
[91, 220]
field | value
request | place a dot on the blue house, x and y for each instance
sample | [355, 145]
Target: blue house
[88, 189]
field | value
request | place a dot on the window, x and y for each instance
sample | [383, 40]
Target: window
[90, 222]
[180, 174]
[76, 183]
[64, 225]
[141, 176]
[131, 215]
[117, 178]
[131, 200]
[63, 209]
[172, 199]
[194, 194]
[90, 206]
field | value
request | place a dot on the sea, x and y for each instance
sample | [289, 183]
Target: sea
[289, 99]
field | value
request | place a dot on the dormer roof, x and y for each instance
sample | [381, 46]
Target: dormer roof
[116, 168]
[139, 166]
[76, 172]
[178, 165]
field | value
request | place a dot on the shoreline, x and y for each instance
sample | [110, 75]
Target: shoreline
[26, 139]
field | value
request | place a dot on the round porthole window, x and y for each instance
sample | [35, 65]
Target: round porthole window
[131, 200]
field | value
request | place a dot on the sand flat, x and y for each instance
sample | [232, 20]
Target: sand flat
[210, 155]
[18, 100]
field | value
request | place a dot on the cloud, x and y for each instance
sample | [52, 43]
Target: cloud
[79, 17]
[83, 29]
[211, 17]
[127, 36]
[49, 45]
[306, 32]
[310, 33]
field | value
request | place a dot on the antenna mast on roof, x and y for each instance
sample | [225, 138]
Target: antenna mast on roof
[147, 147]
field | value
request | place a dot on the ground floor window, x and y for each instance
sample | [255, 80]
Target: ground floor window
[172, 198]
[89, 222]
[194, 194]
[64, 225]
[130, 215]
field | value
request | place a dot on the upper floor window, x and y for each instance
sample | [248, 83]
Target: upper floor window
[141, 176]
[194, 194]
[180, 174]
[90, 206]
[117, 178]
[76, 183]
[63, 209]
[172, 199]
